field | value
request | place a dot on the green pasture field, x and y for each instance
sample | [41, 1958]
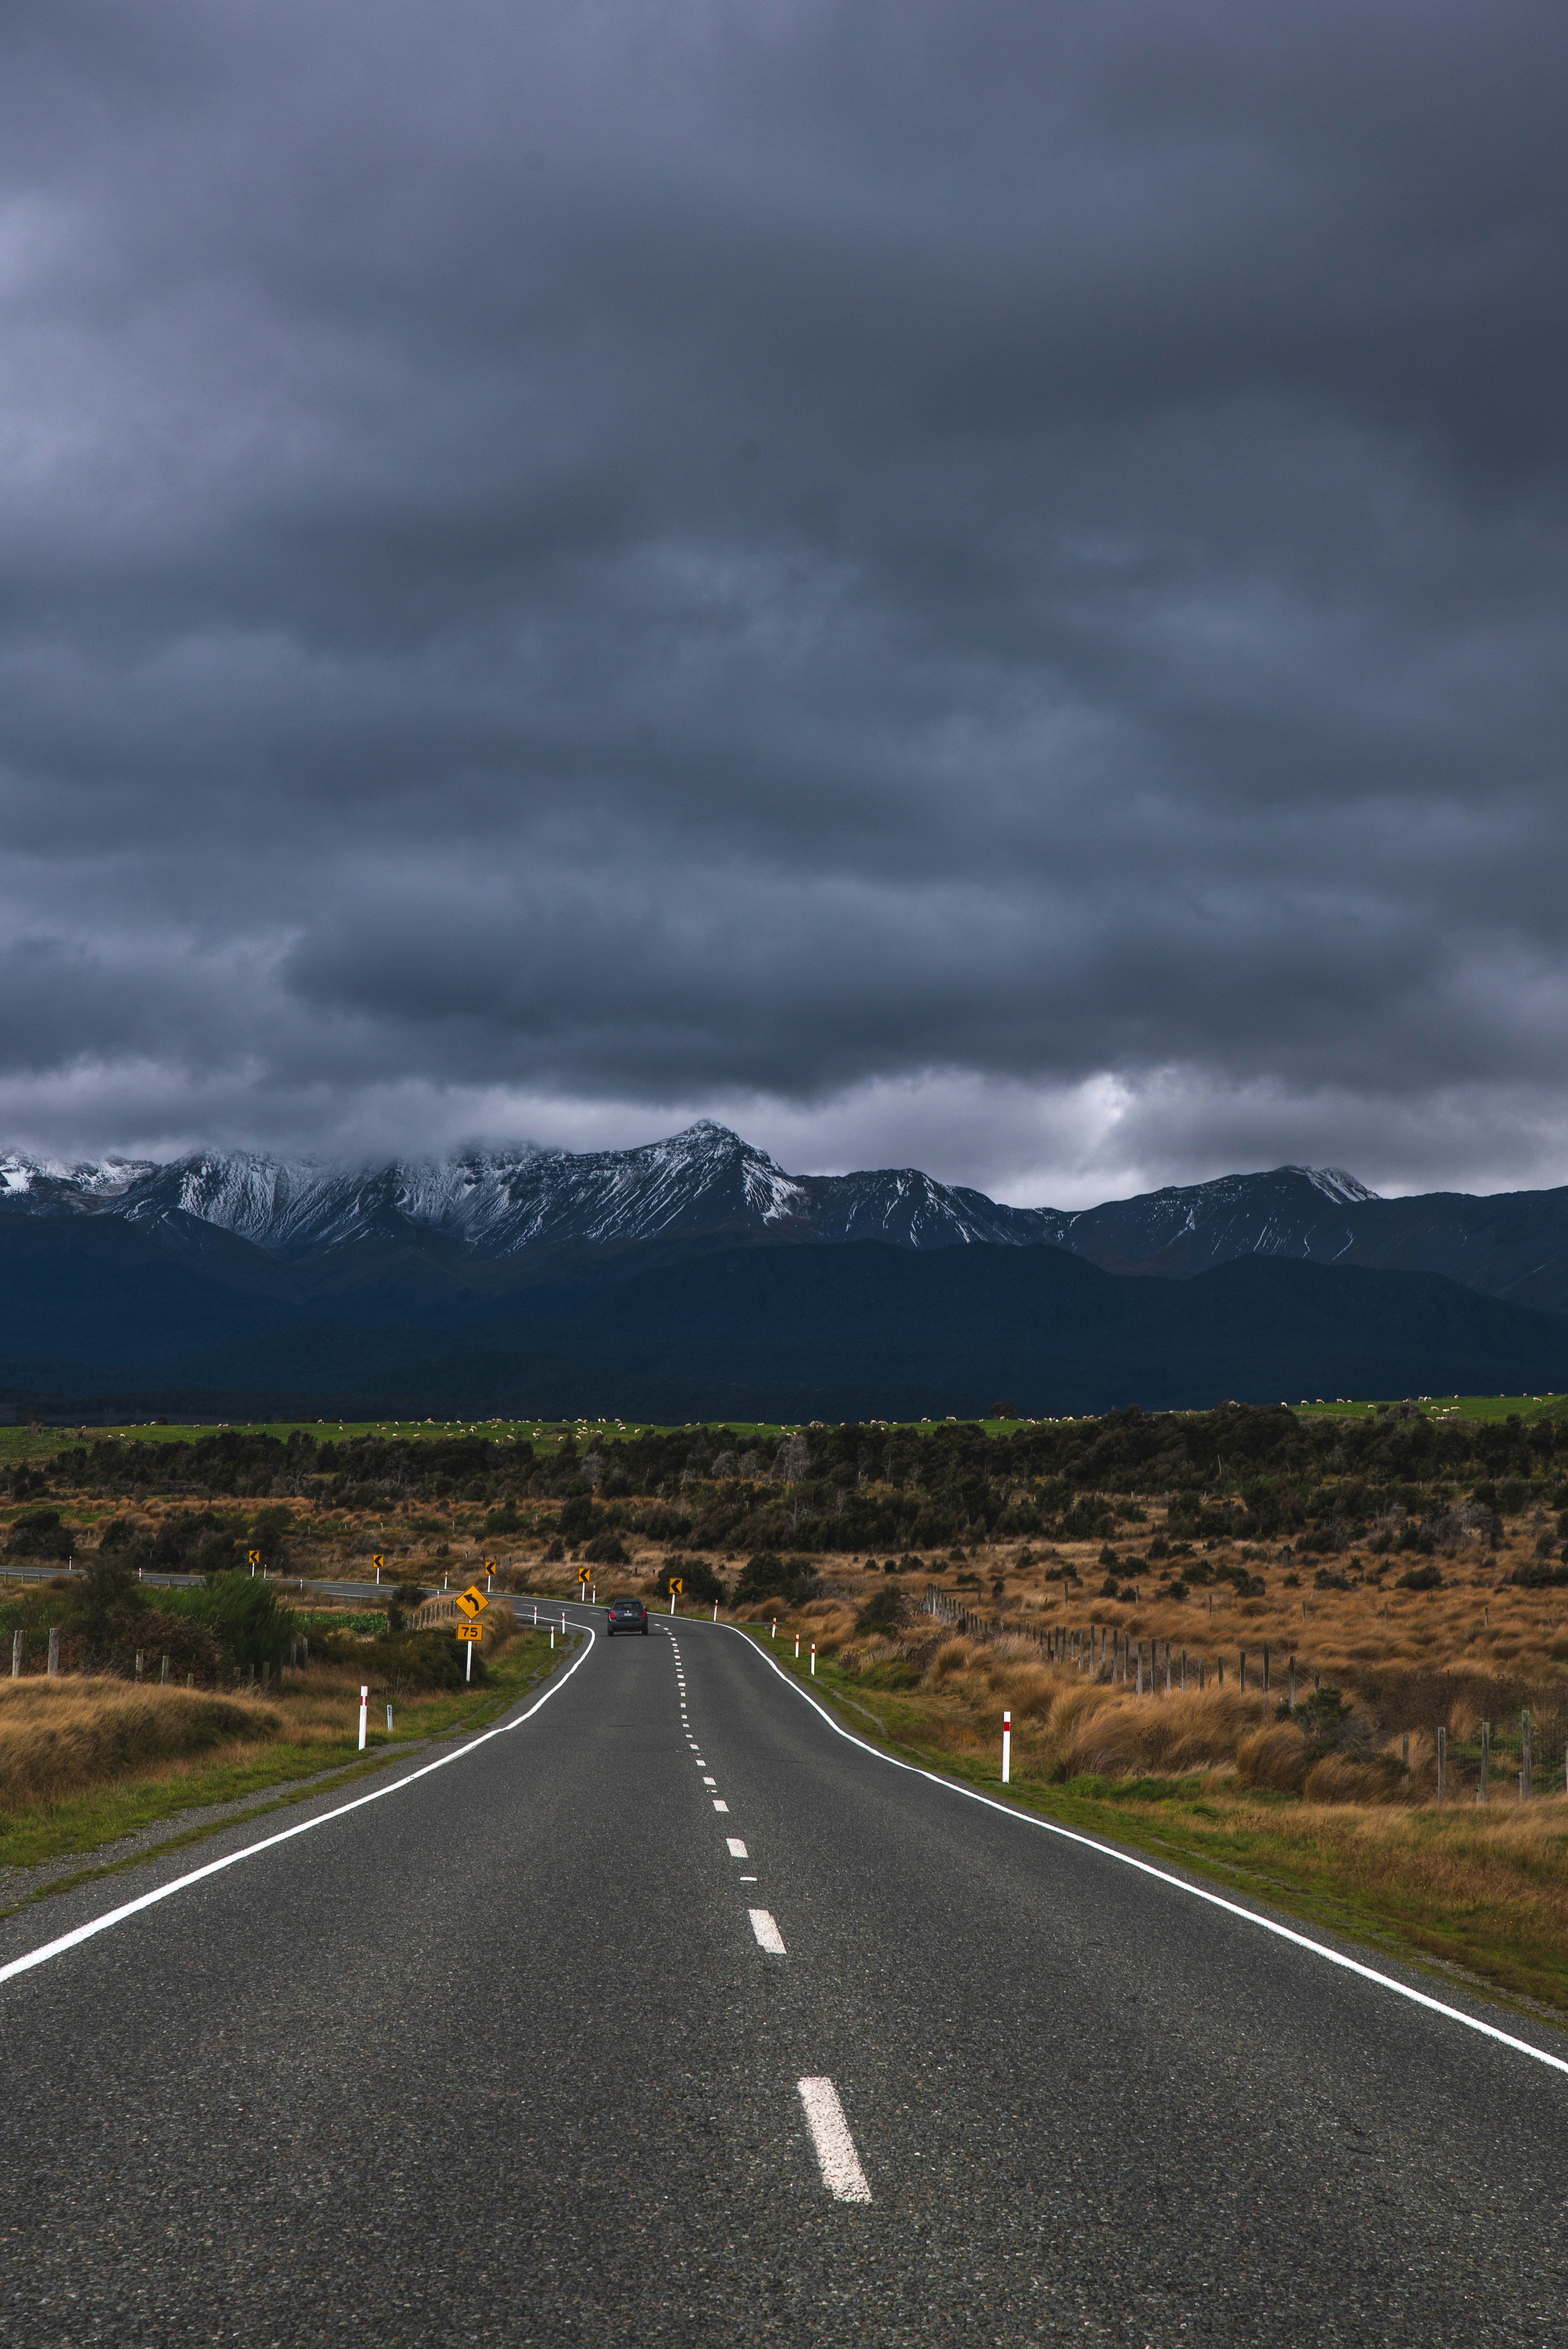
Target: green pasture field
[1438, 1407]
[20, 1443]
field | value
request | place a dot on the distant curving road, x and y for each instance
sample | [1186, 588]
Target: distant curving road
[674, 2016]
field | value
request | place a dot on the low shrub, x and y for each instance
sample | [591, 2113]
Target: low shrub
[42, 1535]
[885, 1611]
[695, 1576]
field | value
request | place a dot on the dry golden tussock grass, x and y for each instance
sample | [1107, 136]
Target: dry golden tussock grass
[58, 1737]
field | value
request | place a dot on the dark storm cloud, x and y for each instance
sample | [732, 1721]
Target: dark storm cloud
[574, 563]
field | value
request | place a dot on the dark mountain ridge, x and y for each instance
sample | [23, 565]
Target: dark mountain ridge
[695, 1274]
[451, 1232]
[96, 1325]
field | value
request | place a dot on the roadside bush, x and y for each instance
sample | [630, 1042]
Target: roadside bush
[577, 1519]
[884, 1610]
[1320, 1715]
[1539, 1574]
[767, 1576]
[607, 1549]
[697, 1577]
[405, 1601]
[41, 1536]
[1422, 1578]
[242, 1613]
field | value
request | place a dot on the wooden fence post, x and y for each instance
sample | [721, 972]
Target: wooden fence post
[53, 1651]
[163, 1672]
[1290, 1686]
[1442, 1765]
[1526, 1773]
[138, 1663]
[1244, 1671]
[1481, 1794]
[1265, 1668]
[18, 1649]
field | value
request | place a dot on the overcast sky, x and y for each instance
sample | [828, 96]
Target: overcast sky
[980, 586]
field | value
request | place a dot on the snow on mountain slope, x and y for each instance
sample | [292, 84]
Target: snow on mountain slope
[502, 1202]
[706, 1182]
[505, 1207]
[508, 1208]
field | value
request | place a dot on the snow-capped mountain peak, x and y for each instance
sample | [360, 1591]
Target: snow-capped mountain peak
[1334, 1182]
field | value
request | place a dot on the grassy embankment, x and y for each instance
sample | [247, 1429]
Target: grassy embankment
[85, 1762]
[1216, 1783]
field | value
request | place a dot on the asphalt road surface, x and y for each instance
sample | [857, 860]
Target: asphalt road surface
[673, 2016]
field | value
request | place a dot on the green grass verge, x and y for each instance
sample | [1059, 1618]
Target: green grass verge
[84, 1823]
[1178, 1822]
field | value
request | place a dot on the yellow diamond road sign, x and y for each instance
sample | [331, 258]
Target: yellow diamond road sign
[472, 1601]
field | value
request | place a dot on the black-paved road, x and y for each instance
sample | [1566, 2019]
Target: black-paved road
[502, 2058]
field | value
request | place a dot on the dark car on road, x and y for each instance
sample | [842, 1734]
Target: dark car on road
[625, 1615]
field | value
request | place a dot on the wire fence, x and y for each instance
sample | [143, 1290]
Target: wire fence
[1519, 1751]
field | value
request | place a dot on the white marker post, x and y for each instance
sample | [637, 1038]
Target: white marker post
[364, 1710]
[716, 1611]
[797, 1643]
[813, 1660]
[1006, 1748]
[773, 1633]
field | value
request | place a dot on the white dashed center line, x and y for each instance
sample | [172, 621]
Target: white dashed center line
[836, 2157]
[768, 1937]
[719, 1805]
[710, 1782]
[736, 1849]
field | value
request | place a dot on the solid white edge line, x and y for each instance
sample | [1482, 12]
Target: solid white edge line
[232, 1859]
[1161, 1875]
[836, 2157]
[768, 1937]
